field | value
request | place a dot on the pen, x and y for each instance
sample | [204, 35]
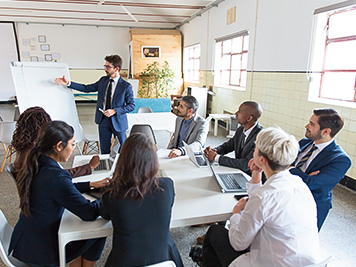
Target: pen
[100, 109]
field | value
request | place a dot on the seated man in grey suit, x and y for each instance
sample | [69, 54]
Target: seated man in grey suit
[190, 128]
[243, 141]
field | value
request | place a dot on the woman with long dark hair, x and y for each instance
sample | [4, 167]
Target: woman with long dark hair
[24, 139]
[139, 205]
[45, 190]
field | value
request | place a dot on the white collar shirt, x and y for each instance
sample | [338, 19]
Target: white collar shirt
[320, 148]
[247, 132]
[278, 223]
[114, 83]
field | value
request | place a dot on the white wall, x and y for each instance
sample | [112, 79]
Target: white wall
[282, 36]
[79, 46]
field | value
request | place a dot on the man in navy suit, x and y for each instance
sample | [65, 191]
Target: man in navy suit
[321, 163]
[111, 109]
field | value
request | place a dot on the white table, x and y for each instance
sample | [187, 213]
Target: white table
[158, 120]
[198, 200]
[217, 117]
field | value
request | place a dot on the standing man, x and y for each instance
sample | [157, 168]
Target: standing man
[243, 141]
[321, 163]
[115, 100]
[190, 128]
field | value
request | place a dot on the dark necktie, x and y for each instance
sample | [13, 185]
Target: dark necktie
[108, 95]
[305, 158]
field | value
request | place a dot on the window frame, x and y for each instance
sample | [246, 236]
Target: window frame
[192, 59]
[218, 70]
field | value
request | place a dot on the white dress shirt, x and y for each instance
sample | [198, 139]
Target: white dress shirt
[279, 222]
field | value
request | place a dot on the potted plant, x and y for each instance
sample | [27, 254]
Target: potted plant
[156, 82]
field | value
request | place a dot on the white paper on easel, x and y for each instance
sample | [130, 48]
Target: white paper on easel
[35, 86]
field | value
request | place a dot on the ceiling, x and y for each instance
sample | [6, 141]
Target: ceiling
[165, 14]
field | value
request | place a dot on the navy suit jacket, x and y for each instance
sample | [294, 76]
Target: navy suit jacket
[123, 100]
[333, 163]
[35, 238]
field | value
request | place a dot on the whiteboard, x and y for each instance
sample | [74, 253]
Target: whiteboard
[35, 86]
[8, 53]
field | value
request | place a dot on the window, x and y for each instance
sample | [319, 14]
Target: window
[333, 64]
[192, 63]
[231, 60]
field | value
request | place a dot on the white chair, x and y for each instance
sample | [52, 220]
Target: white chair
[323, 263]
[6, 131]
[145, 129]
[5, 237]
[91, 142]
[163, 264]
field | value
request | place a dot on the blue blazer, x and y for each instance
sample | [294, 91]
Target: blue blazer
[35, 238]
[123, 100]
[333, 163]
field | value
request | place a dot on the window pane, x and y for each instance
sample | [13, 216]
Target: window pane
[338, 85]
[197, 51]
[218, 56]
[225, 62]
[243, 78]
[190, 75]
[244, 61]
[225, 75]
[196, 75]
[235, 77]
[237, 45]
[342, 24]
[227, 46]
[341, 55]
[235, 62]
[245, 47]
[196, 64]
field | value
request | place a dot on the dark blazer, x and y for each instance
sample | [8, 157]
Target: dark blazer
[35, 238]
[197, 133]
[123, 100]
[242, 155]
[141, 228]
[333, 163]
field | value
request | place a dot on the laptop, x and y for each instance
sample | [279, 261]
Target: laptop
[197, 159]
[229, 182]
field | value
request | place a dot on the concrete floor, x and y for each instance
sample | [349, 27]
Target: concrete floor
[337, 237]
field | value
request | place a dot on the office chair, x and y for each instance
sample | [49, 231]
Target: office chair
[144, 110]
[91, 142]
[5, 237]
[163, 264]
[6, 131]
[145, 129]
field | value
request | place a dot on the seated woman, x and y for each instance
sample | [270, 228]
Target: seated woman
[278, 223]
[139, 205]
[45, 190]
[23, 140]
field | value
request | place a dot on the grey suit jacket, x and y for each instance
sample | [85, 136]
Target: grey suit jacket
[197, 133]
[242, 154]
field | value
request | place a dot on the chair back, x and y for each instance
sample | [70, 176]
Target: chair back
[7, 129]
[163, 264]
[5, 237]
[144, 110]
[145, 129]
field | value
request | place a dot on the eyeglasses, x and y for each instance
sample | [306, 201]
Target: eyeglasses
[108, 67]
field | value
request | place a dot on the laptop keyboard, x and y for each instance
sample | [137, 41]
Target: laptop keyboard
[230, 182]
[101, 166]
[200, 161]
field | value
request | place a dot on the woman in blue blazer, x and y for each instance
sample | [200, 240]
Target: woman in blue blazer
[139, 205]
[45, 190]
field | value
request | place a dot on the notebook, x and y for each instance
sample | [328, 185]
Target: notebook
[197, 159]
[229, 182]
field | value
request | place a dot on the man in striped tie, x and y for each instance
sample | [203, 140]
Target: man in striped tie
[321, 163]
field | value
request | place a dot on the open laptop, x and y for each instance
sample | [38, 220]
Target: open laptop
[197, 159]
[229, 182]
